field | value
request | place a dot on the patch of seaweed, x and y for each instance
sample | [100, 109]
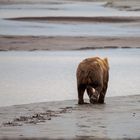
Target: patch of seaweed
[37, 117]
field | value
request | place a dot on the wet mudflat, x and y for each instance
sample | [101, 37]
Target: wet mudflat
[117, 119]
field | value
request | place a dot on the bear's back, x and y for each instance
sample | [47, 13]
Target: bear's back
[89, 70]
[90, 64]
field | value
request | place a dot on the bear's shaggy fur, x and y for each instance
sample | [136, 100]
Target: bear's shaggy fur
[92, 76]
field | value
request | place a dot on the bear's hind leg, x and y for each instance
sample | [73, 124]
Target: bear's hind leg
[101, 98]
[102, 95]
[81, 90]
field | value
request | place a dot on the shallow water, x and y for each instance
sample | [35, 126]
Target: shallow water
[91, 9]
[50, 75]
[84, 9]
[60, 29]
[70, 29]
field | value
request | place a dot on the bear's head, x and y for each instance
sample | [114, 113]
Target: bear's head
[94, 97]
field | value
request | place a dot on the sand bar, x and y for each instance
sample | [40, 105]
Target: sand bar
[30, 43]
[114, 19]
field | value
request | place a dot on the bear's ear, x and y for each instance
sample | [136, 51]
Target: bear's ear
[106, 61]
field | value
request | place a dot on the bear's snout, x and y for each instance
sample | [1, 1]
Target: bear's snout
[94, 98]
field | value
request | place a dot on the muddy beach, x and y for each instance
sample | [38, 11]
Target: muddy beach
[117, 119]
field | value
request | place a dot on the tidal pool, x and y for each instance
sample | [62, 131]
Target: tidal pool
[40, 76]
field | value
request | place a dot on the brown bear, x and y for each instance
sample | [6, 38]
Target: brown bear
[92, 76]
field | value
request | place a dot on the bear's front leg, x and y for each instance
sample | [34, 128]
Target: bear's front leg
[81, 90]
